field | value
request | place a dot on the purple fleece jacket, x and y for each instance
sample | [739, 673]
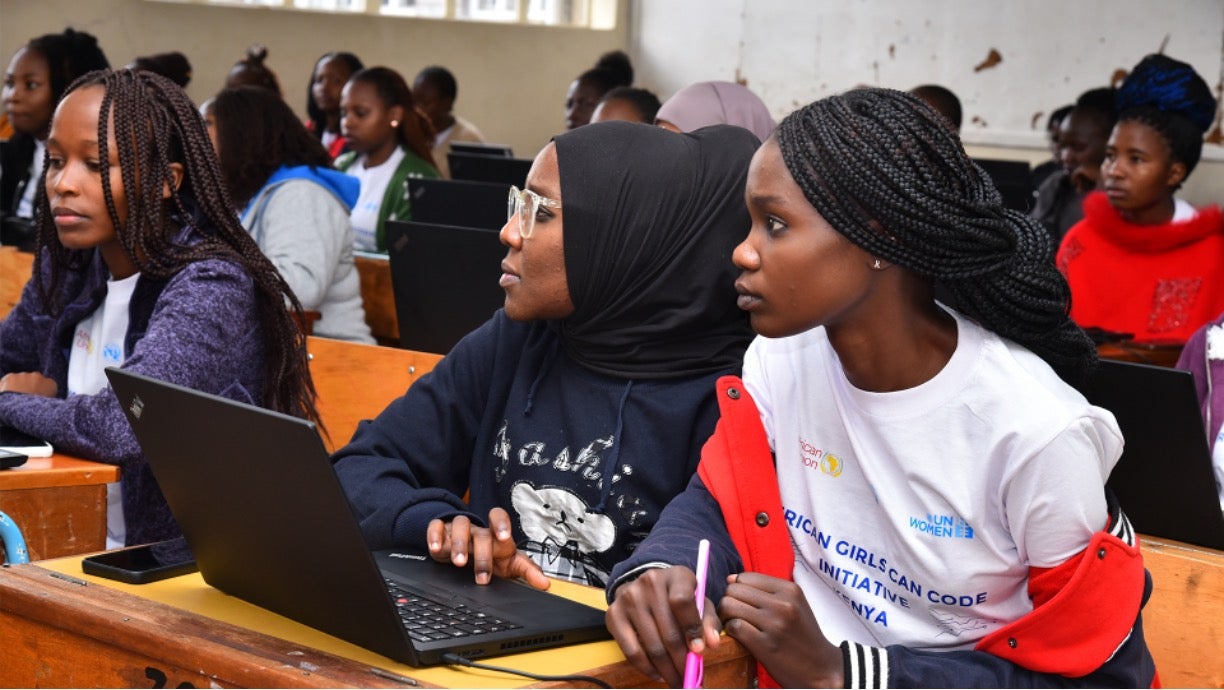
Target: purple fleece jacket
[1208, 376]
[199, 329]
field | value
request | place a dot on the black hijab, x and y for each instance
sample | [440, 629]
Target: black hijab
[650, 220]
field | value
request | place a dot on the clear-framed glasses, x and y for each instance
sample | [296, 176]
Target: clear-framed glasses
[525, 204]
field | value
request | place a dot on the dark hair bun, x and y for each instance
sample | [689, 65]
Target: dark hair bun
[1170, 86]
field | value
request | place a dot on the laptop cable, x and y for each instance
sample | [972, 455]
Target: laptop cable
[456, 660]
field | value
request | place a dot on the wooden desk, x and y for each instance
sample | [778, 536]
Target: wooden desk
[1160, 354]
[15, 270]
[59, 503]
[59, 627]
[378, 297]
[1184, 619]
[356, 381]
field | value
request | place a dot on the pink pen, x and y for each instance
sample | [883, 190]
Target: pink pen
[693, 663]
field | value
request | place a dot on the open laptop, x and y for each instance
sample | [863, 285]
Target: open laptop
[1014, 179]
[482, 168]
[445, 281]
[1164, 479]
[483, 149]
[268, 522]
[458, 202]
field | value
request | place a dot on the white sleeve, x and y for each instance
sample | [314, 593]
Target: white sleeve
[1055, 500]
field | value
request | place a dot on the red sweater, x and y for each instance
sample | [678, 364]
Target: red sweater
[1159, 282]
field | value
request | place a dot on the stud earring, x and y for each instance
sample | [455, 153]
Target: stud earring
[395, 123]
[876, 265]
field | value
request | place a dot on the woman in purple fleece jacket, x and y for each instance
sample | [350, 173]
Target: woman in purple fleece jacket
[1203, 356]
[144, 266]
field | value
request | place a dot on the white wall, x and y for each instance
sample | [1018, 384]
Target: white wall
[791, 52]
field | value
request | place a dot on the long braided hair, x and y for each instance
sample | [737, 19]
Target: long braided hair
[886, 171]
[156, 124]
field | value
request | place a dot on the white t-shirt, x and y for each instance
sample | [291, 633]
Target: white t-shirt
[25, 207]
[374, 183]
[97, 344]
[916, 514]
[328, 138]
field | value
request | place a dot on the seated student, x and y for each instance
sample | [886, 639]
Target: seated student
[628, 104]
[33, 83]
[143, 267]
[331, 72]
[1203, 356]
[1143, 261]
[943, 100]
[390, 139]
[915, 485]
[293, 204]
[434, 90]
[573, 415]
[173, 65]
[250, 70]
[613, 69]
[1041, 171]
[715, 102]
[1081, 149]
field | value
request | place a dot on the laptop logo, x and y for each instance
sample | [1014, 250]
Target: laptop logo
[137, 407]
[400, 243]
[407, 556]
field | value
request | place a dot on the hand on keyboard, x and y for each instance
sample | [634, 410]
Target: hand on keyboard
[491, 550]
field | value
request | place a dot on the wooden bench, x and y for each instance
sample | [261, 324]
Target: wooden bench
[1184, 619]
[356, 381]
[15, 270]
[378, 297]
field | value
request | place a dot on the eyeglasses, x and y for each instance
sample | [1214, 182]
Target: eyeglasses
[525, 204]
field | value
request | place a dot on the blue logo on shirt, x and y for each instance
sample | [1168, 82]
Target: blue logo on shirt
[944, 526]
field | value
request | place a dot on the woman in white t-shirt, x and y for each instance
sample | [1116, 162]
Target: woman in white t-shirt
[390, 140]
[899, 492]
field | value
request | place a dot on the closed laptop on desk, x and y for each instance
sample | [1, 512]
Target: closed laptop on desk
[1164, 480]
[481, 168]
[457, 202]
[445, 281]
[268, 522]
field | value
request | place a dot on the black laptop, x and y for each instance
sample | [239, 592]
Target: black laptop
[482, 149]
[481, 168]
[268, 522]
[445, 281]
[1014, 179]
[1164, 479]
[459, 202]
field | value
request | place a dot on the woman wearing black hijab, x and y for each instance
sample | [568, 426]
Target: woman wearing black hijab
[579, 410]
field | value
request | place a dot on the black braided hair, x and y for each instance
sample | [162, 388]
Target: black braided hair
[884, 169]
[1171, 98]
[156, 124]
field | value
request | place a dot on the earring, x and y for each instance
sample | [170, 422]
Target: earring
[395, 123]
[876, 265]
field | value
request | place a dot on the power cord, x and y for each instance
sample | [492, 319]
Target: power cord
[456, 660]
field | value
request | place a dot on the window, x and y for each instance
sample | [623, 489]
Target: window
[592, 14]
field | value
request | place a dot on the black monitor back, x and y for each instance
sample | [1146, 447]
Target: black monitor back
[1014, 180]
[458, 202]
[481, 168]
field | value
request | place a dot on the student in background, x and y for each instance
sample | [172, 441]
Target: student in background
[435, 90]
[1143, 261]
[331, 72]
[613, 69]
[390, 140]
[1081, 150]
[898, 494]
[1053, 125]
[293, 204]
[715, 102]
[141, 265]
[250, 70]
[628, 104]
[173, 66]
[574, 414]
[1203, 356]
[943, 100]
[33, 83]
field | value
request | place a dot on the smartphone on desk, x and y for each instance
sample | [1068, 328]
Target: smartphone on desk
[22, 443]
[10, 459]
[139, 565]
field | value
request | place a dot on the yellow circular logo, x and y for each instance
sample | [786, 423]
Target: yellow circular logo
[831, 465]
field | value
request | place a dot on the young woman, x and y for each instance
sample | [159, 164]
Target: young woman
[1142, 261]
[613, 69]
[141, 265]
[435, 90]
[715, 102]
[898, 494]
[293, 204]
[33, 83]
[331, 72]
[571, 417]
[250, 70]
[390, 140]
[628, 104]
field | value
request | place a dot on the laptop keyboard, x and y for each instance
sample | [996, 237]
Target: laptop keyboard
[426, 619]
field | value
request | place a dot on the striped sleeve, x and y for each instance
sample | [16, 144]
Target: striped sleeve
[865, 667]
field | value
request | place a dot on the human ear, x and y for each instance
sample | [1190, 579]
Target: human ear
[396, 114]
[1177, 175]
[176, 177]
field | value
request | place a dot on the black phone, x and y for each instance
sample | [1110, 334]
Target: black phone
[10, 459]
[139, 565]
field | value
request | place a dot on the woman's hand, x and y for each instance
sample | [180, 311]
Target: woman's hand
[30, 382]
[773, 621]
[491, 549]
[654, 620]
